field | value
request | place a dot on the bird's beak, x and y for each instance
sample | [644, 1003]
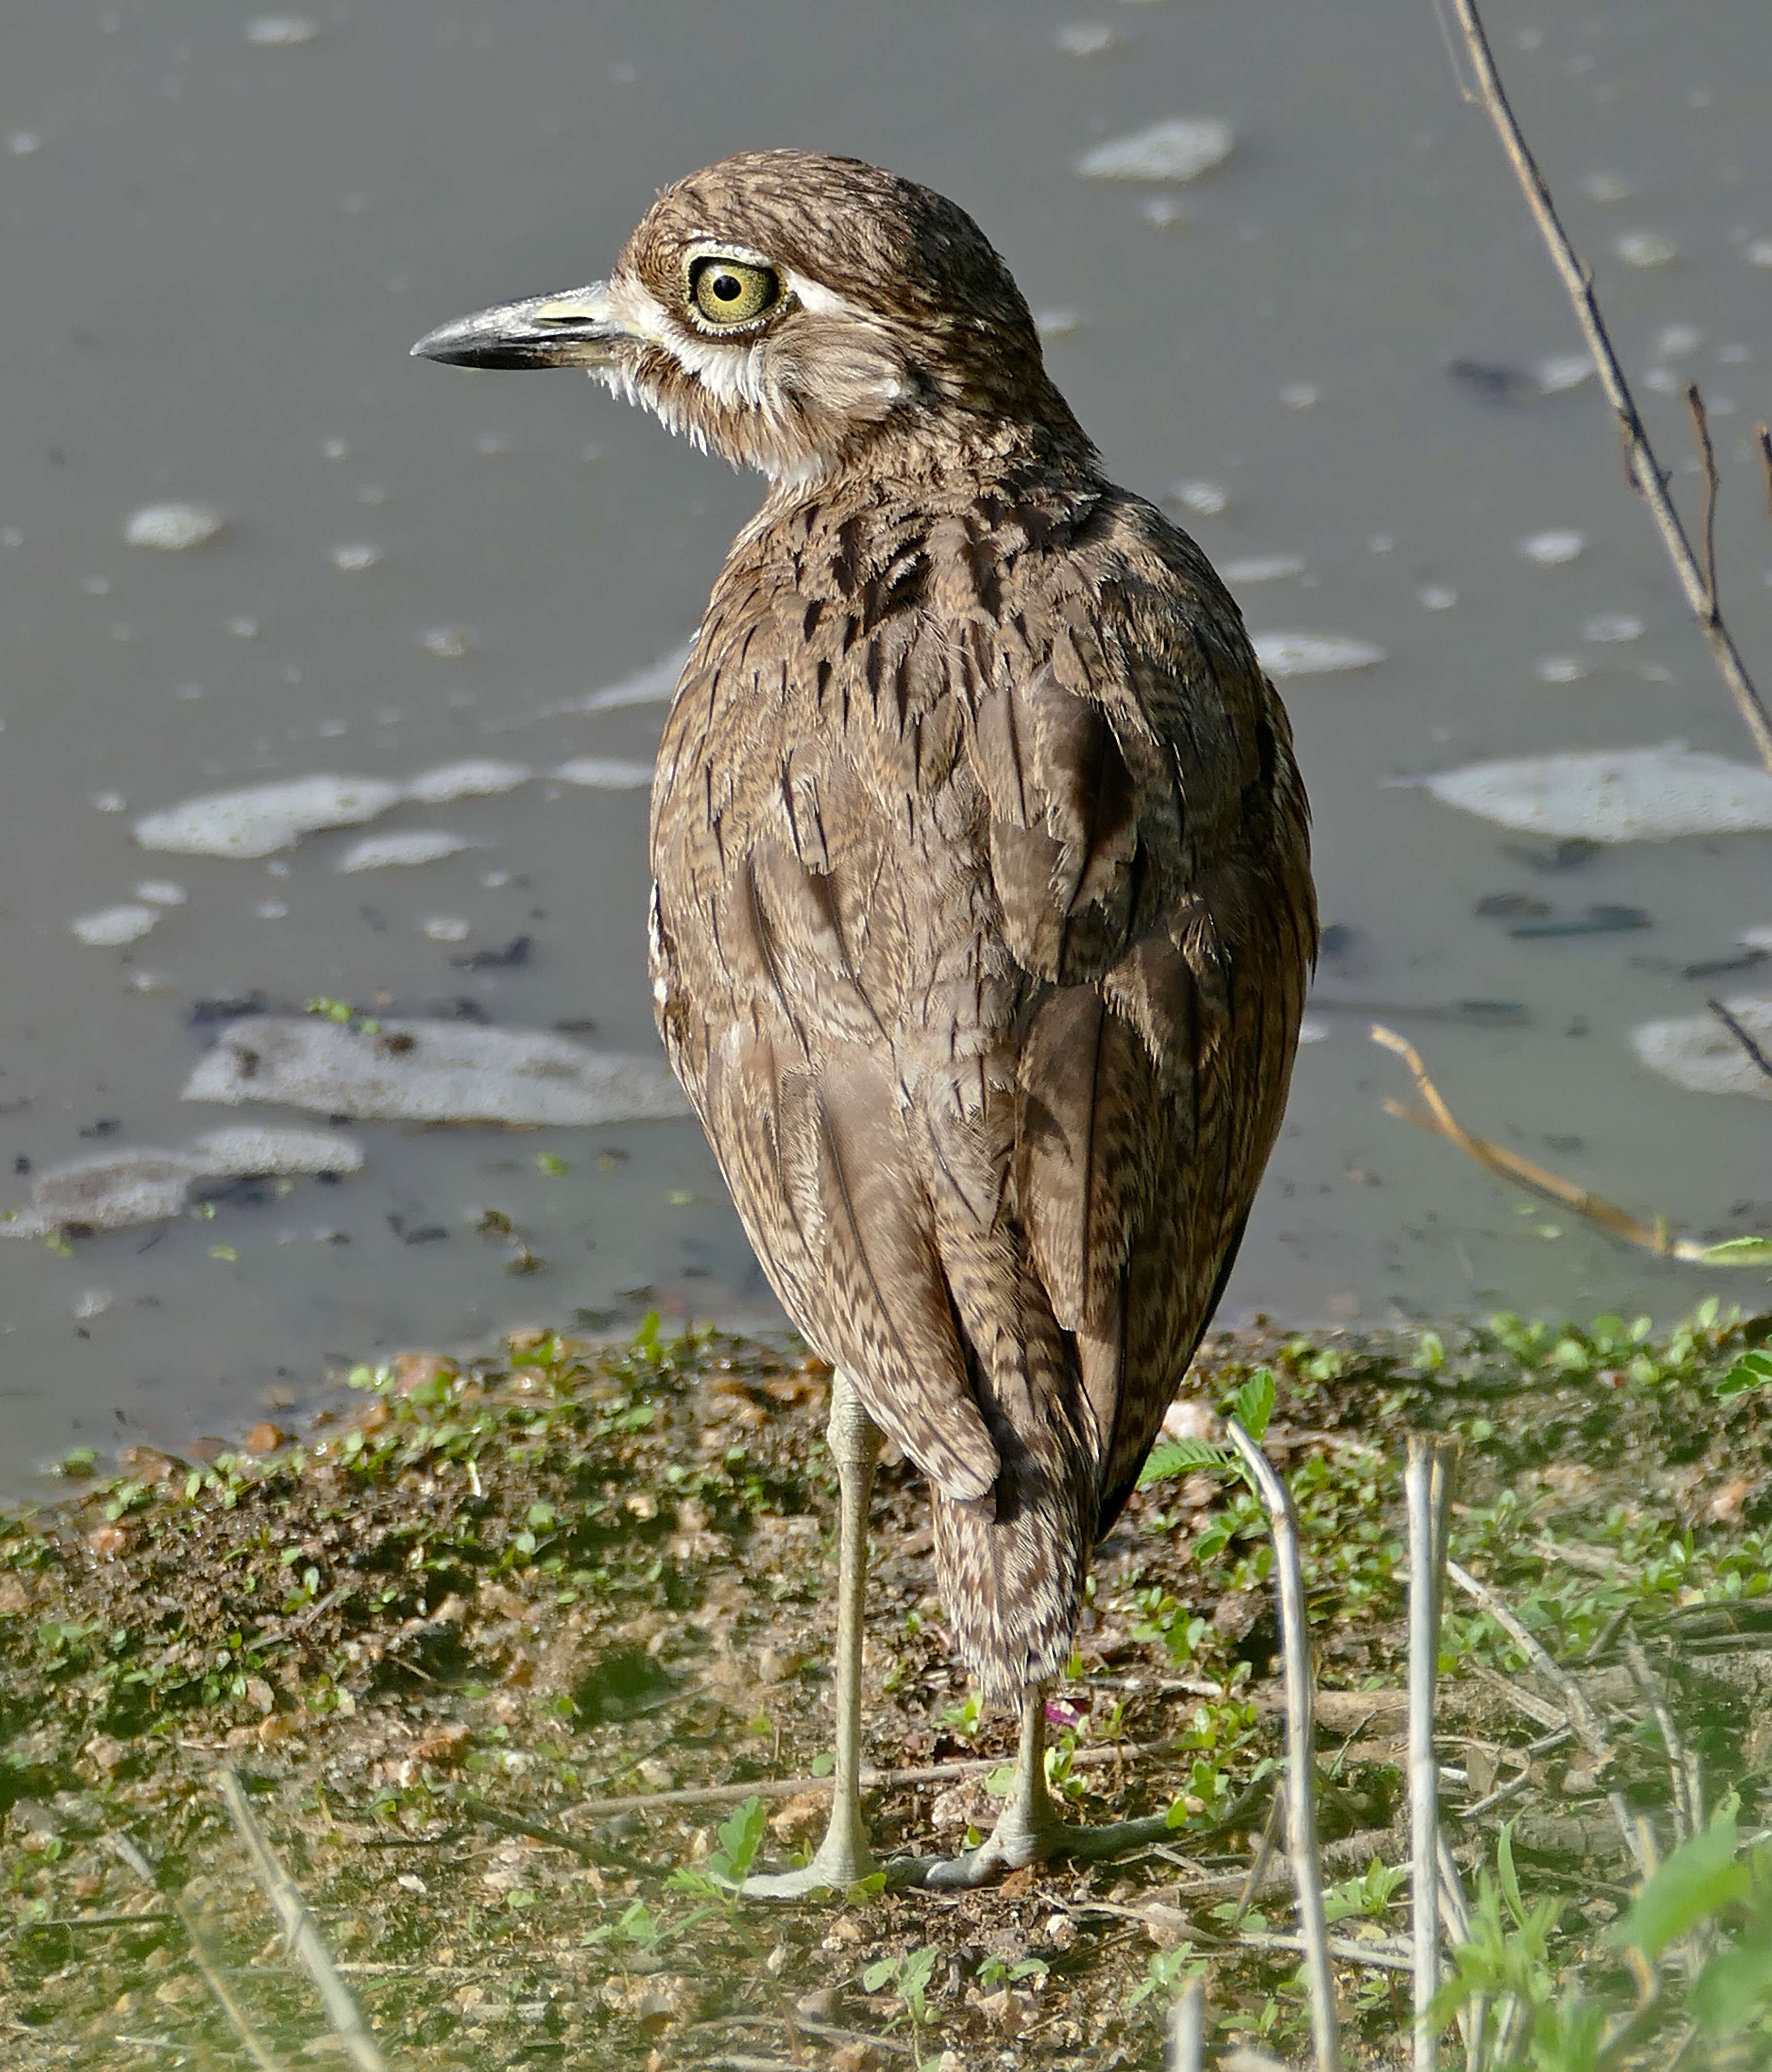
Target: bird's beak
[576, 329]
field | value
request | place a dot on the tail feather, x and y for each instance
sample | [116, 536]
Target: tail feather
[1010, 1565]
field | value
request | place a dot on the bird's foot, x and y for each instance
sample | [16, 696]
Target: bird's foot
[1012, 1846]
[840, 1861]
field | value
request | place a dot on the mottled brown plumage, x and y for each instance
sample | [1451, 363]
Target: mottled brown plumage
[983, 914]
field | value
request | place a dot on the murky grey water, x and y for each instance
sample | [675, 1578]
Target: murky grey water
[218, 249]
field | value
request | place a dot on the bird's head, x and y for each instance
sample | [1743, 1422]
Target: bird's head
[790, 311]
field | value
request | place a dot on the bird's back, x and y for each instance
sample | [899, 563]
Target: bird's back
[983, 922]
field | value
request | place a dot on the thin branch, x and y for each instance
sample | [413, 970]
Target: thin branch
[872, 1780]
[213, 1977]
[1507, 1165]
[302, 1936]
[1742, 1036]
[1672, 1746]
[1645, 470]
[1427, 1482]
[1581, 1714]
[1762, 439]
[1301, 1746]
[1707, 523]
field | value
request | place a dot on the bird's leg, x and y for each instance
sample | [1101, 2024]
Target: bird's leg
[1029, 1830]
[844, 1857]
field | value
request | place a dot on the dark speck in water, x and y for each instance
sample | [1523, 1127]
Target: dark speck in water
[1336, 941]
[21, 1164]
[1493, 384]
[207, 1013]
[1560, 855]
[1717, 966]
[575, 1025]
[515, 952]
[1596, 921]
[1510, 906]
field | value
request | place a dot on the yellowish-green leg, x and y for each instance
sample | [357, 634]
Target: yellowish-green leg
[844, 1856]
[1029, 1830]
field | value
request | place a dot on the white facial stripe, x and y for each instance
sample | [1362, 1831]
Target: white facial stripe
[813, 295]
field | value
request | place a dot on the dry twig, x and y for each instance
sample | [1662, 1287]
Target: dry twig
[1427, 1481]
[872, 1780]
[303, 1937]
[1439, 1121]
[1646, 473]
[213, 1977]
[1744, 1037]
[1581, 1714]
[1301, 1746]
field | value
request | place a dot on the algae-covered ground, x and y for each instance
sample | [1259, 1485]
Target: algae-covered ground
[450, 1635]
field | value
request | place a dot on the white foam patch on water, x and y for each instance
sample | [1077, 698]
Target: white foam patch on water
[1612, 795]
[1206, 499]
[264, 818]
[1698, 1053]
[1179, 150]
[1561, 372]
[113, 1190]
[1313, 1028]
[114, 926]
[1313, 654]
[391, 852]
[1610, 626]
[1262, 568]
[172, 528]
[1645, 250]
[482, 779]
[1085, 40]
[1551, 549]
[606, 773]
[354, 556]
[650, 686]
[431, 1072]
[281, 32]
[446, 928]
[161, 892]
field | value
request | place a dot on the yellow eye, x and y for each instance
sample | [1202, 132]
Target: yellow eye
[732, 291]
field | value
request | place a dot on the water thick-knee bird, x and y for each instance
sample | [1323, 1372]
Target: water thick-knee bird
[983, 913]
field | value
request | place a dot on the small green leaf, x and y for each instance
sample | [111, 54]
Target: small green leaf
[1254, 1404]
[1182, 1456]
[875, 1977]
[551, 1163]
[1738, 1252]
[823, 1763]
[740, 1836]
[1701, 1876]
[1510, 1879]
